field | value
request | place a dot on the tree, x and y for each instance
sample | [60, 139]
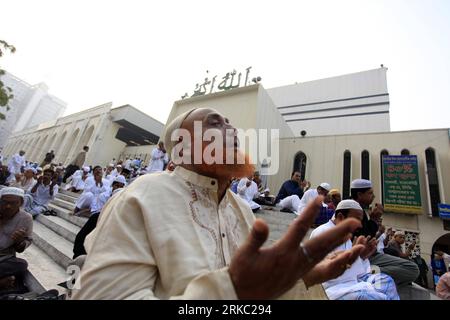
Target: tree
[5, 92]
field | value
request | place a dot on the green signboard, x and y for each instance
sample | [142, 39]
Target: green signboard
[401, 187]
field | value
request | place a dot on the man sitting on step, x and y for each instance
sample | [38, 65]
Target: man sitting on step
[44, 190]
[78, 248]
[16, 228]
[95, 194]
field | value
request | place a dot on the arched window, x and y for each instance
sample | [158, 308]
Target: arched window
[383, 152]
[365, 165]
[346, 174]
[405, 152]
[433, 181]
[300, 164]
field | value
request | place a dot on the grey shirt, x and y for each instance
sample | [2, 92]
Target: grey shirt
[21, 220]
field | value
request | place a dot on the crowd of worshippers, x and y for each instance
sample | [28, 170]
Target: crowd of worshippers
[151, 250]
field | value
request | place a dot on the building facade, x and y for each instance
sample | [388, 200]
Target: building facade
[351, 103]
[109, 133]
[31, 105]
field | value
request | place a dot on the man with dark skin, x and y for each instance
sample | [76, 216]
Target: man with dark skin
[401, 270]
[16, 227]
[253, 272]
[42, 192]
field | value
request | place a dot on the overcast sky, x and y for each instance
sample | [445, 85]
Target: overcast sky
[149, 53]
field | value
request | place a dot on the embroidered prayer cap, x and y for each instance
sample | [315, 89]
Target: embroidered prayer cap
[12, 191]
[360, 184]
[171, 127]
[325, 186]
[348, 204]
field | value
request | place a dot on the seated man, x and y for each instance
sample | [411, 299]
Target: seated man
[27, 181]
[92, 195]
[43, 191]
[312, 194]
[117, 185]
[78, 181]
[394, 246]
[185, 235]
[357, 283]
[265, 198]
[291, 187]
[16, 228]
[248, 190]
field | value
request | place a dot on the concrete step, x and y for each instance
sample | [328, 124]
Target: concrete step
[43, 269]
[66, 215]
[62, 227]
[60, 250]
[66, 197]
[64, 204]
[68, 193]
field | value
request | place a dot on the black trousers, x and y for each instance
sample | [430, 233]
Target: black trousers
[78, 247]
[70, 170]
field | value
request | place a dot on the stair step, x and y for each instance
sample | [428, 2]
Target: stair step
[63, 204]
[66, 197]
[69, 193]
[62, 227]
[66, 215]
[57, 248]
[43, 269]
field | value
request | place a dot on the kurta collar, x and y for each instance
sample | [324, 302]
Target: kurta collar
[196, 179]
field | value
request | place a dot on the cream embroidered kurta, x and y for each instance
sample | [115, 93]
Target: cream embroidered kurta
[166, 236]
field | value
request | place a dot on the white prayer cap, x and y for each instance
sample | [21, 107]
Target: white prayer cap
[110, 165]
[360, 184]
[39, 169]
[348, 204]
[171, 127]
[325, 185]
[12, 191]
[86, 169]
[399, 233]
[31, 168]
[121, 179]
[119, 166]
[267, 190]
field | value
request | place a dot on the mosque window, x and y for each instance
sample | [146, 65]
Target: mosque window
[382, 153]
[346, 175]
[433, 180]
[405, 152]
[365, 165]
[300, 164]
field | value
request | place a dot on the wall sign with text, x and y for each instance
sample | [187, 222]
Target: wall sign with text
[401, 187]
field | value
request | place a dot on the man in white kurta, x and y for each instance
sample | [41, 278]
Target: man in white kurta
[248, 190]
[357, 282]
[15, 164]
[312, 194]
[175, 241]
[158, 158]
[183, 234]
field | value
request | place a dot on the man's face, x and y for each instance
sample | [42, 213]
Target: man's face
[98, 172]
[322, 191]
[367, 197]
[216, 125]
[47, 177]
[29, 174]
[400, 239]
[9, 206]
[296, 176]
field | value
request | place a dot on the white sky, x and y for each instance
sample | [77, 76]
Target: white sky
[149, 53]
